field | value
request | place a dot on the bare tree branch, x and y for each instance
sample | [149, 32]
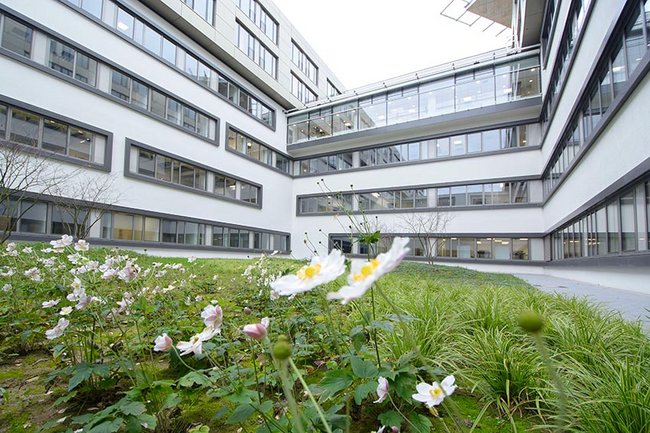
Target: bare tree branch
[426, 228]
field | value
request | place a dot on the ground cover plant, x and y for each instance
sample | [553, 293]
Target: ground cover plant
[98, 340]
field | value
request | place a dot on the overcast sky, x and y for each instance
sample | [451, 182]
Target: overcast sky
[365, 41]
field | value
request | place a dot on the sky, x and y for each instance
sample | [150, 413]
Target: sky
[366, 41]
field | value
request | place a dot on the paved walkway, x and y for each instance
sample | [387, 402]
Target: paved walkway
[632, 305]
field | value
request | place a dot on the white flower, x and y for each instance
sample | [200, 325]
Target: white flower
[6, 271]
[6, 287]
[163, 343]
[191, 259]
[212, 317]
[195, 345]
[319, 271]
[364, 273]
[76, 284]
[434, 394]
[49, 304]
[57, 331]
[34, 274]
[109, 273]
[81, 245]
[11, 246]
[27, 250]
[65, 311]
[129, 272]
[382, 389]
[127, 300]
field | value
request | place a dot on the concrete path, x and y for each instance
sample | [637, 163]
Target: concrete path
[632, 305]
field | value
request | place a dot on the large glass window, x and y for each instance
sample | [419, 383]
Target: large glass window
[628, 222]
[24, 127]
[55, 136]
[613, 228]
[16, 37]
[33, 217]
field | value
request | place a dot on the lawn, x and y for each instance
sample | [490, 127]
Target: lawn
[109, 340]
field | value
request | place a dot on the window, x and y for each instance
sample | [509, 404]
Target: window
[70, 221]
[249, 193]
[140, 95]
[33, 218]
[304, 63]
[501, 83]
[243, 144]
[17, 37]
[301, 91]
[628, 222]
[332, 90]
[72, 63]
[256, 51]
[205, 8]
[24, 127]
[261, 18]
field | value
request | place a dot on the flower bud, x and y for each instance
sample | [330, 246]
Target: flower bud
[256, 331]
[531, 321]
[247, 310]
[282, 348]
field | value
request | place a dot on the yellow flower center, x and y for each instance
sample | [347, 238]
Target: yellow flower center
[307, 272]
[436, 392]
[366, 270]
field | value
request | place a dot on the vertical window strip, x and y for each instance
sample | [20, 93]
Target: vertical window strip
[256, 51]
[609, 81]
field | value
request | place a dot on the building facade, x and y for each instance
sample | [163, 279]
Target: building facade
[224, 134]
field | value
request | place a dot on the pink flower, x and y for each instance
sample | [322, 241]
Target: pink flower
[163, 343]
[57, 331]
[213, 317]
[382, 389]
[257, 331]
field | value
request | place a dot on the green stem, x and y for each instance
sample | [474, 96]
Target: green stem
[403, 416]
[374, 331]
[555, 377]
[288, 392]
[257, 379]
[311, 396]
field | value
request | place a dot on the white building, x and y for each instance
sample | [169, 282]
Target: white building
[215, 119]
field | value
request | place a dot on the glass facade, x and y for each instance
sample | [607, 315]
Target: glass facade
[606, 84]
[16, 36]
[457, 145]
[500, 83]
[618, 226]
[503, 193]
[467, 248]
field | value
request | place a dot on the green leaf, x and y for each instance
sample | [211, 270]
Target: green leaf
[242, 396]
[363, 368]
[405, 385]
[382, 325]
[362, 391]
[133, 425]
[390, 419]
[199, 429]
[420, 423]
[335, 381]
[192, 378]
[65, 398]
[133, 408]
[148, 421]
[171, 401]
[107, 426]
[241, 414]
[82, 372]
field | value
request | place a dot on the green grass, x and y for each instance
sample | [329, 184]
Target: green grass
[464, 322]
